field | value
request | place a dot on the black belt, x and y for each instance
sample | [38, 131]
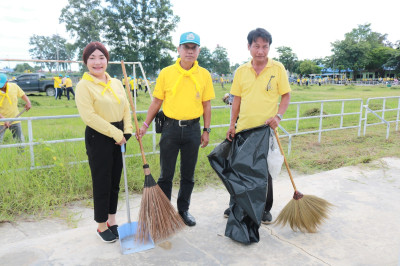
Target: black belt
[183, 123]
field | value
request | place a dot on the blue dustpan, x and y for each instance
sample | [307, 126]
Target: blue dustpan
[127, 232]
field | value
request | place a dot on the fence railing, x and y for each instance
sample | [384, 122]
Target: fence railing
[289, 129]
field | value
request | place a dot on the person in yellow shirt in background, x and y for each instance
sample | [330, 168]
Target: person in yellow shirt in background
[132, 84]
[57, 86]
[104, 108]
[185, 90]
[221, 81]
[9, 94]
[68, 85]
[257, 87]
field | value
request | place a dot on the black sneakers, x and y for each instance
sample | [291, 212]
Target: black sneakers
[266, 218]
[114, 229]
[227, 212]
[107, 236]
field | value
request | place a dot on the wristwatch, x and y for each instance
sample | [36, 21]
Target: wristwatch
[280, 116]
[207, 129]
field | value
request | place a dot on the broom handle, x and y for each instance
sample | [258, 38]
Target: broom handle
[284, 157]
[133, 111]
[18, 115]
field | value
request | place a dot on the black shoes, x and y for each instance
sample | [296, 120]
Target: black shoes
[107, 236]
[187, 218]
[266, 217]
[114, 229]
[227, 212]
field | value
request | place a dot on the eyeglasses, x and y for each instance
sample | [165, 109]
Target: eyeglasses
[269, 83]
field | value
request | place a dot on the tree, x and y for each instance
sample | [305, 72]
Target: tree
[287, 57]
[23, 67]
[205, 59]
[83, 20]
[354, 51]
[140, 31]
[220, 61]
[378, 58]
[50, 48]
[308, 67]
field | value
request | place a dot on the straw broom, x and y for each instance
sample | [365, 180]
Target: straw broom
[157, 216]
[303, 212]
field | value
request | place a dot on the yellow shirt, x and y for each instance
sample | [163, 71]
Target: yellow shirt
[257, 103]
[10, 110]
[97, 110]
[187, 102]
[67, 83]
[57, 82]
[132, 84]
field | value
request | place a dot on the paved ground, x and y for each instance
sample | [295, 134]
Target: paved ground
[363, 229]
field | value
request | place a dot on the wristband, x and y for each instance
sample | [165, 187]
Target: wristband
[146, 125]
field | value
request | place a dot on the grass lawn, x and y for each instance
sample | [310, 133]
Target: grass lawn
[45, 190]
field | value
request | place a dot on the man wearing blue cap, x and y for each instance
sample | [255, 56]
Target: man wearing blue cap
[185, 90]
[9, 94]
[68, 85]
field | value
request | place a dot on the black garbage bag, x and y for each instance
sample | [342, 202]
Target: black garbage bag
[242, 167]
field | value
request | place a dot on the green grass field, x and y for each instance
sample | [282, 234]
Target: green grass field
[42, 192]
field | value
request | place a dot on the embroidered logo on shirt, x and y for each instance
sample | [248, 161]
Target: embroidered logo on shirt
[269, 87]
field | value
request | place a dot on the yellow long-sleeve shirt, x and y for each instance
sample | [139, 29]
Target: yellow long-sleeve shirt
[67, 83]
[98, 111]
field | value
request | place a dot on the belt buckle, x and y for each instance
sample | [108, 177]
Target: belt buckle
[179, 123]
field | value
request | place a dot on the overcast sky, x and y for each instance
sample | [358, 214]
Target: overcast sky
[308, 27]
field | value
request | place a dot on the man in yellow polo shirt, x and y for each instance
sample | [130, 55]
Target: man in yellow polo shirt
[9, 94]
[57, 86]
[185, 90]
[257, 87]
[68, 85]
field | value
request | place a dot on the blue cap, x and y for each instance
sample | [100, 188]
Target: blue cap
[67, 76]
[190, 37]
[59, 75]
[3, 80]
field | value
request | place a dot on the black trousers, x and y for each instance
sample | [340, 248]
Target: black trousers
[70, 90]
[186, 140]
[105, 161]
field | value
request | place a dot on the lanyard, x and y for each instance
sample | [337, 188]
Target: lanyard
[186, 73]
[4, 96]
[107, 86]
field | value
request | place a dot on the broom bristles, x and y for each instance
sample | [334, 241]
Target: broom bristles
[304, 214]
[157, 217]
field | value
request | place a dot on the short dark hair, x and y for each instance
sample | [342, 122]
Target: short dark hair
[259, 33]
[93, 46]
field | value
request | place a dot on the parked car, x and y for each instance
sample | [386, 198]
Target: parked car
[35, 82]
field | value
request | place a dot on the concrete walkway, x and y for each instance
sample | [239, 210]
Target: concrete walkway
[364, 228]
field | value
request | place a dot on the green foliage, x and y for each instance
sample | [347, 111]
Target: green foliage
[362, 49]
[22, 67]
[216, 61]
[287, 57]
[307, 67]
[51, 48]
[134, 30]
[220, 61]
[205, 59]
[83, 20]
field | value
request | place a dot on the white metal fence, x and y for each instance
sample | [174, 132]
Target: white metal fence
[291, 126]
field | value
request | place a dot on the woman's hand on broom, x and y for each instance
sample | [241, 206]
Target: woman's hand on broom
[142, 132]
